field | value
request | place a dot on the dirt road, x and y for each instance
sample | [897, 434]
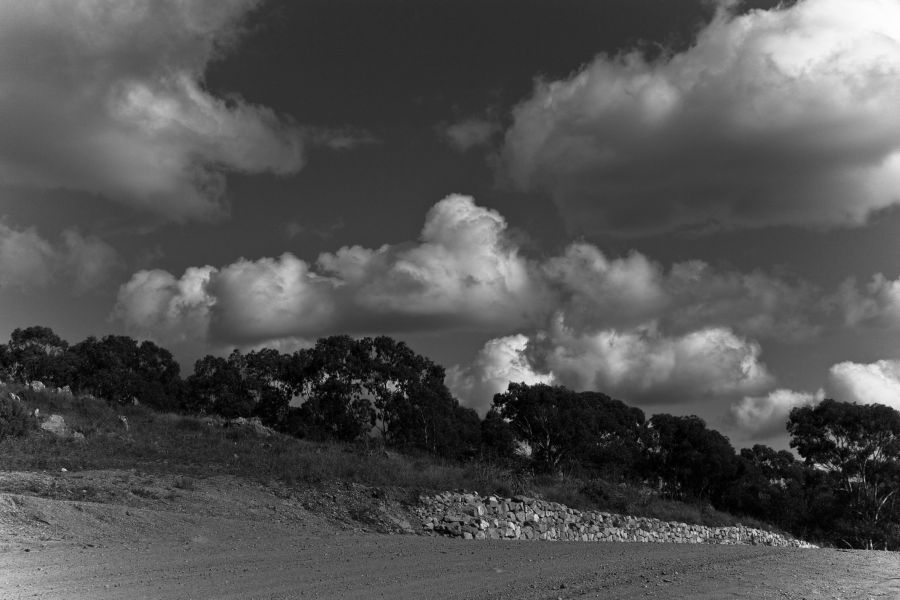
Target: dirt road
[227, 539]
[220, 559]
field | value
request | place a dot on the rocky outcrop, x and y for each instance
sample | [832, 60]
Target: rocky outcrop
[471, 516]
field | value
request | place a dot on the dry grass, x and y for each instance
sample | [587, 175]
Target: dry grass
[193, 447]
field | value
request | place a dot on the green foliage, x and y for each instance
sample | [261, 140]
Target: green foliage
[690, 460]
[859, 448]
[120, 370]
[15, 420]
[560, 426]
[36, 353]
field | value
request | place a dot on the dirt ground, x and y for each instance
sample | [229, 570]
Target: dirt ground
[224, 539]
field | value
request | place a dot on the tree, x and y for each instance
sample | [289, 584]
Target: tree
[36, 353]
[497, 437]
[769, 485]
[120, 370]
[560, 425]
[690, 460]
[266, 376]
[858, 446]
[217, 386]
[413, 407]
[336, 403]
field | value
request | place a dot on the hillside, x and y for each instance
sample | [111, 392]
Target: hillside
[136, 456]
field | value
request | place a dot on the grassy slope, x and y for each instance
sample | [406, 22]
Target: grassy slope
[197, 447]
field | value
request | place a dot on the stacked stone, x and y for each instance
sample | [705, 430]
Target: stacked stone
[472, 516]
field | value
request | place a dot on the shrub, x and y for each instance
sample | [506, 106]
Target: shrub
[15, 420]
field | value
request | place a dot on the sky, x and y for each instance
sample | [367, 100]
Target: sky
[690, 205]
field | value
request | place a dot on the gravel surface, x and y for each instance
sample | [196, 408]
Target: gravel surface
[221, 559]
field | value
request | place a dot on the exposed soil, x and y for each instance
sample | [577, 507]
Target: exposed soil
[127, 535]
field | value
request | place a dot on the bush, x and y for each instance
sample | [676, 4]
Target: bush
[15, 420]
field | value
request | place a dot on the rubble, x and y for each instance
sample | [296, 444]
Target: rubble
[471, 516]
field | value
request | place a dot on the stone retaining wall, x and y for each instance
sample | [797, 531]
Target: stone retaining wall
[471, 516]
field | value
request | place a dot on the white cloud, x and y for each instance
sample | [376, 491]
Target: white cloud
[270, 298]
[644, 366]
[500, 362]
[107, 96]
[874, 383]
[469, 133]
[28, 261]
[464, 271]
[156, 305]
[640, 366]
[783, 116]
[766, 416]
[462, 274]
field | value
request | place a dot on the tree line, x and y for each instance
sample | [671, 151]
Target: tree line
[843, 490]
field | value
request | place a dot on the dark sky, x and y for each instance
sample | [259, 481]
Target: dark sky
[690, 205]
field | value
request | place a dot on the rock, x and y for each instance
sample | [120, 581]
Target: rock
[56, 425]
[36, 386]
[255, 424]
[259, 428]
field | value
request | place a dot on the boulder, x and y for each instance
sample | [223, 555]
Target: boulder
[56, 425]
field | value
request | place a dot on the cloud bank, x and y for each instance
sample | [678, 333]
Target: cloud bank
[108, 97]
[778, 117]
[629, 326]
[463, 273]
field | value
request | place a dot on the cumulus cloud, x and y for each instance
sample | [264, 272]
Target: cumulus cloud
[643, 365]
[108, 97]
[500, 362]
[463, 269]
[639, 365]
[782, 116]
[154, 304]
[627, 326]
[762, 417]
[874, 383]
[469, 133]
[462, 273]
[270, 298]
[29, 261]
